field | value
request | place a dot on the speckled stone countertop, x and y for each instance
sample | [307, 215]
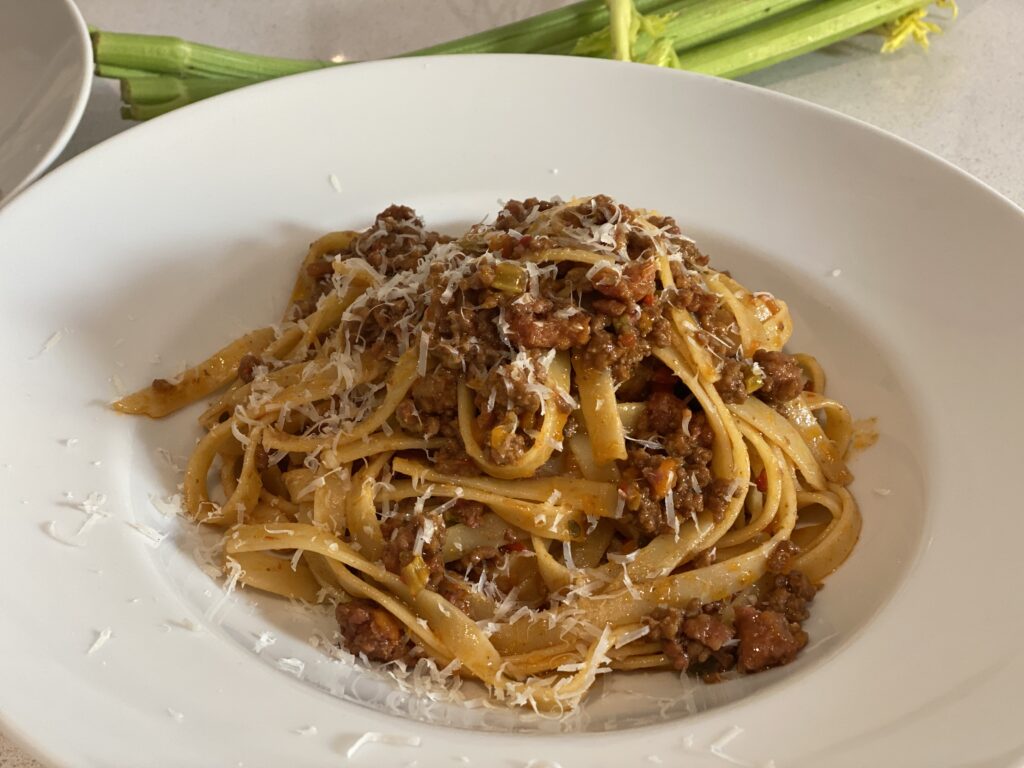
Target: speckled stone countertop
[963, 100]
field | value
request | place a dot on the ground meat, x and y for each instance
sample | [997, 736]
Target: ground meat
[507, 397]
[431, 406]
[411, 420]
[707, 630]
[664, 413]
[473, 562]
[403, 242]
[368, 629]
[779, 561]
[598, 210]
[708, 639]
[247, 367]
[719, 330]
[620, 344]
[509, 448]
[639, 245]
[717, 497]
[515, 212]
[400, 534]
[690, 293]
[666, 224]
[634, 283]
[705, 558]
[637, 388]
[731, 384]
[783, 377]
[767, 639]
[610, 307]
[682, 466]
[469, 513]
[162, 386]
[451, 459]
[789, 594]
[456, 593]
[691, 638]
[535, 323]
[437, 393]
[467, 342]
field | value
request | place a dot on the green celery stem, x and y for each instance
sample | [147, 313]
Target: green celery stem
[726, 38]
[693, 22]
[792, 35]
[148, 111]
[157, 89]
[703, 21]
[173, 56]
[106, 70]
[555, 31]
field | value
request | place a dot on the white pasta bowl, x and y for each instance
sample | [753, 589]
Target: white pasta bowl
[901, 275]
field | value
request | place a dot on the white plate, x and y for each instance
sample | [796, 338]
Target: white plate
[903, 275]
[45, 75]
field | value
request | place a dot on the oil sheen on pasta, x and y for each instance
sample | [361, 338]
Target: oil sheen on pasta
[558, 445]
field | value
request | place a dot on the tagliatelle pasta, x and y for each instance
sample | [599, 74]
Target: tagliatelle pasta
[558, 445]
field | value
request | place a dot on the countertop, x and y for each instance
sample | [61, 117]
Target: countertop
[962, 100]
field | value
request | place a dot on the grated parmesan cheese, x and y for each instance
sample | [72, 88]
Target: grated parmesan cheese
[615, 557]
[263, 640]
[375, 737]
[652, 444]
[718, 746]
[170, 507]
[421, 363]
[628, 637]
[51, 530]
[55, 338]
[292, 665]
[152, 536]
[627, 582]
[188, 624]
[620, 505]
[234, 573]
[670, 513]
[101, 639]
[567, 555]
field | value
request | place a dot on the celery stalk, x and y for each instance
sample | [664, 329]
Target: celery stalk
[119, 73]
[690, 23]
[686, 24]
[555, 31]
[727, 38]
[174, 56]
[619, 21]
[793, 34]
[708, 20]
[159, 89]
